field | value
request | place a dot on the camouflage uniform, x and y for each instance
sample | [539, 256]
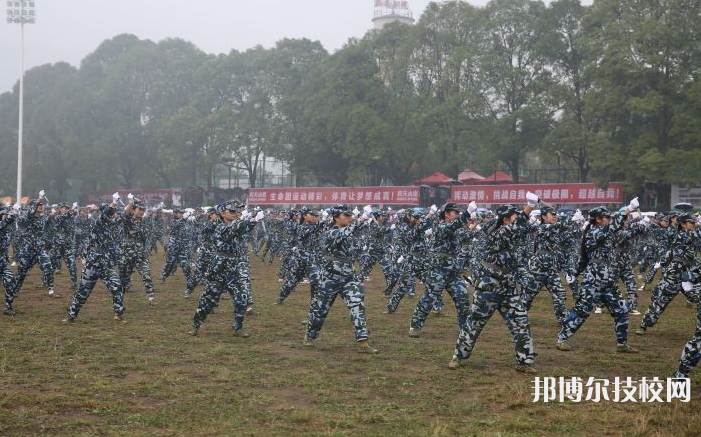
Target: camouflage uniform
[7, 276]
[544, 268]
[442, 274]
[497, 290]
[63, 245]
[178, 251]
[134, 254]
[681, 267]
[205, 252]
[33, 251]
[411, 246]
[82, 234]
[692, 350]
[339, 279]
[99, 264]
[305, 260]
[599, 283]
[224, 273]
[378, 243]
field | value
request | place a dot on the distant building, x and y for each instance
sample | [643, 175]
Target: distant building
[389, 11]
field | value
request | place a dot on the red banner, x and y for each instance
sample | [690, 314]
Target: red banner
[550, 193]
[334, 195]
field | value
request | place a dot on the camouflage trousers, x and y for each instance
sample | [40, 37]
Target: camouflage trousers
[406, 283]
[669, 287]
[286, 266]
[133, 258]
[28, 257]
[8, 279]
[339, 280]
[244, 267]
[503, 296]
[302, 267]
[439, 279]
[223, 276]
[97, 266]
[368, 261]
[550, 279]
[204, 257]
[692, 350]
[176, 254]
[628, 278]
[598, 286]
[64, 252]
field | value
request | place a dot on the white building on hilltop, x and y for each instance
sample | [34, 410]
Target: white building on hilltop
[391, 11]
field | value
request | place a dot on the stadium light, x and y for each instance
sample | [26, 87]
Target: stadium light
[20, 12]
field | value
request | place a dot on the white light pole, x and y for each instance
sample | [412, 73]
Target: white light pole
[21, 12]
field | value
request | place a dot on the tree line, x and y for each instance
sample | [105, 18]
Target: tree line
[608, 92]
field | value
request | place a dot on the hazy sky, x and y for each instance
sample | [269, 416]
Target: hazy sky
[67, 30]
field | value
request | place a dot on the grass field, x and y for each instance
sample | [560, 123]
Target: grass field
[148, 377]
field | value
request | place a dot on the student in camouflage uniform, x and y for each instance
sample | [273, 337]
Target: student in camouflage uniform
[83, 223]
[442, 273]
[410, 252]
[692, 350]
[178, 250]
[340, 279]
[205, 251]
[158, 231]
[680, 274]
[224, 273]
[100, 261]
[7, 224]
[134, 249]
[600, 278]
[497, 290]
[63, 244]
[289, 238]
[33, 225]
[379, 236]
[625, 244]
[305, 260]
[544, 264]
[658, 245]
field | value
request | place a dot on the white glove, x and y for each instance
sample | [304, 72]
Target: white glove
[400, 259]
[260, 216]
[75, 205]
[245, 214]
[478, 227]
[42, 193]
[130, 196]
[657, 265]
[191, 218]
[428, 232]
[634, 204]
[389, 208]
[16, 206]
[115, 196]
[434, 208]
[532, 199]
[356, 211]
[569, 278]
[472, 207]
[367, 209]
[646, 219]
[366, 215]
[393, 227]
[687, 286]
[324, 215]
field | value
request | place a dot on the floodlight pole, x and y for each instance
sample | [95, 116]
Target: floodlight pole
[21, 113]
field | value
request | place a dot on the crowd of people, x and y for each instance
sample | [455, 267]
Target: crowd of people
[485, 260]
